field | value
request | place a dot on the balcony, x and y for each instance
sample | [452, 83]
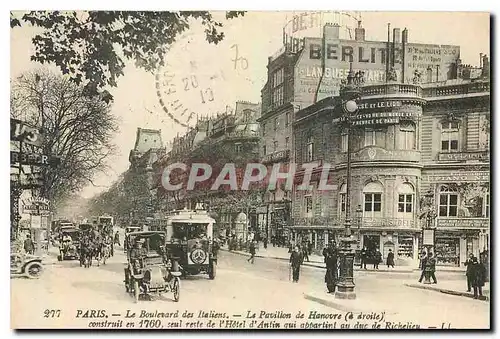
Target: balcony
[461, 90]
[374, 153]
[391, 90]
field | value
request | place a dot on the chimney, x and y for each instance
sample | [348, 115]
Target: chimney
[396, 35]
[404, 37]
[331, 31]
[480, 60]
[359, 33]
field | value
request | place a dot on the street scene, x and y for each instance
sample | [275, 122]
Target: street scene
[321, 170]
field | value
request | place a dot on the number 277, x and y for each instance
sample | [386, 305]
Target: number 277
[51, 313]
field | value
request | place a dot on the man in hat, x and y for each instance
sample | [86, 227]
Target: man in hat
[295, 262]
[330, 254]
[478, 277]
[138, 252]
[29, 246]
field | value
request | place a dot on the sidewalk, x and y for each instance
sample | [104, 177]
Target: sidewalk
[458, 288]
[281, 253]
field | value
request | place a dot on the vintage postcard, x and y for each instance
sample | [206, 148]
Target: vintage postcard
[250, 170]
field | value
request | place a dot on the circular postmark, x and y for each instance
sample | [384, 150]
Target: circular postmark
[199, 79]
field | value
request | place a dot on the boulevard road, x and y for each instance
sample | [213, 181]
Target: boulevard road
[239, 288]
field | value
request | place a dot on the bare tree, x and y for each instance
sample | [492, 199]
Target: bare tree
[77, 127]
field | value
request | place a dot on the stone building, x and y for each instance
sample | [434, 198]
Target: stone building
[415, 148]
[233, 136]
[310, 69]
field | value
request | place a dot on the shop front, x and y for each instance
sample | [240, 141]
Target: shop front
[318, 236]
[404, 245]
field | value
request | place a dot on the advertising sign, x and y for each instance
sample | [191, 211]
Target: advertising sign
[428, 237]
[33, 159]
[21, 131]
[368, 57]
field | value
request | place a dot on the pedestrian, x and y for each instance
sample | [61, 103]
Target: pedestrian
[378, 259]
[295, 262]
[305, 253]
[330, 254]
[423, 263]
[309, 248]
[478, 277]
[117, 239]
[265, 242]
[363, 258]
[468, 263]
[29, 246]
[390, 259]
[252, 252]
[431, 267]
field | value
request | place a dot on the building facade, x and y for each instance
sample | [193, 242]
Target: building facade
[414, 149]
[310, 69]
[225, 138]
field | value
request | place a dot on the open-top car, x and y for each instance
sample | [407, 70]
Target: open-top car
[190, 241]
[150, 269]
[69, 248]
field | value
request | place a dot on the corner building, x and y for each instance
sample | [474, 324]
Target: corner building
[412, 147]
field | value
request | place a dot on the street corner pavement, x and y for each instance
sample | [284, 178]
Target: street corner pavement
[447, 289]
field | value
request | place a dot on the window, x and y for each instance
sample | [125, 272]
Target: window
[264, 150]
[238, 147]
[449, 136]
[373, 200]
[487, 205]
[264, 129]
[405, 200]
[309, 205]
[448, 201]
[275, 146]
[278, 87]
[287, 119]
[276, 124]
[287, 142]
[342, 198]
[344, 140]
[407, 135]
[375, 137]
[310, 149]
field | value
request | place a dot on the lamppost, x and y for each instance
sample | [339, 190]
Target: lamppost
[349, 93]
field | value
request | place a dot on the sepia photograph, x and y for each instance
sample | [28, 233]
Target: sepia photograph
[250, 170]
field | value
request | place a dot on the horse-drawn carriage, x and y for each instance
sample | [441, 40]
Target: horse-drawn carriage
[69, 245]
[150, 269]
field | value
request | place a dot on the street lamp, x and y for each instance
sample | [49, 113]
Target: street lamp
[349, 93]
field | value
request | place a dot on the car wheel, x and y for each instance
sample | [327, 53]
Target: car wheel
[213, 270]
[34, 270]
[176, 288]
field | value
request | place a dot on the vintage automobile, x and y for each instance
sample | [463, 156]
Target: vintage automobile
[190, 241]
[26, 265]
[150, 270]
[69, 249]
